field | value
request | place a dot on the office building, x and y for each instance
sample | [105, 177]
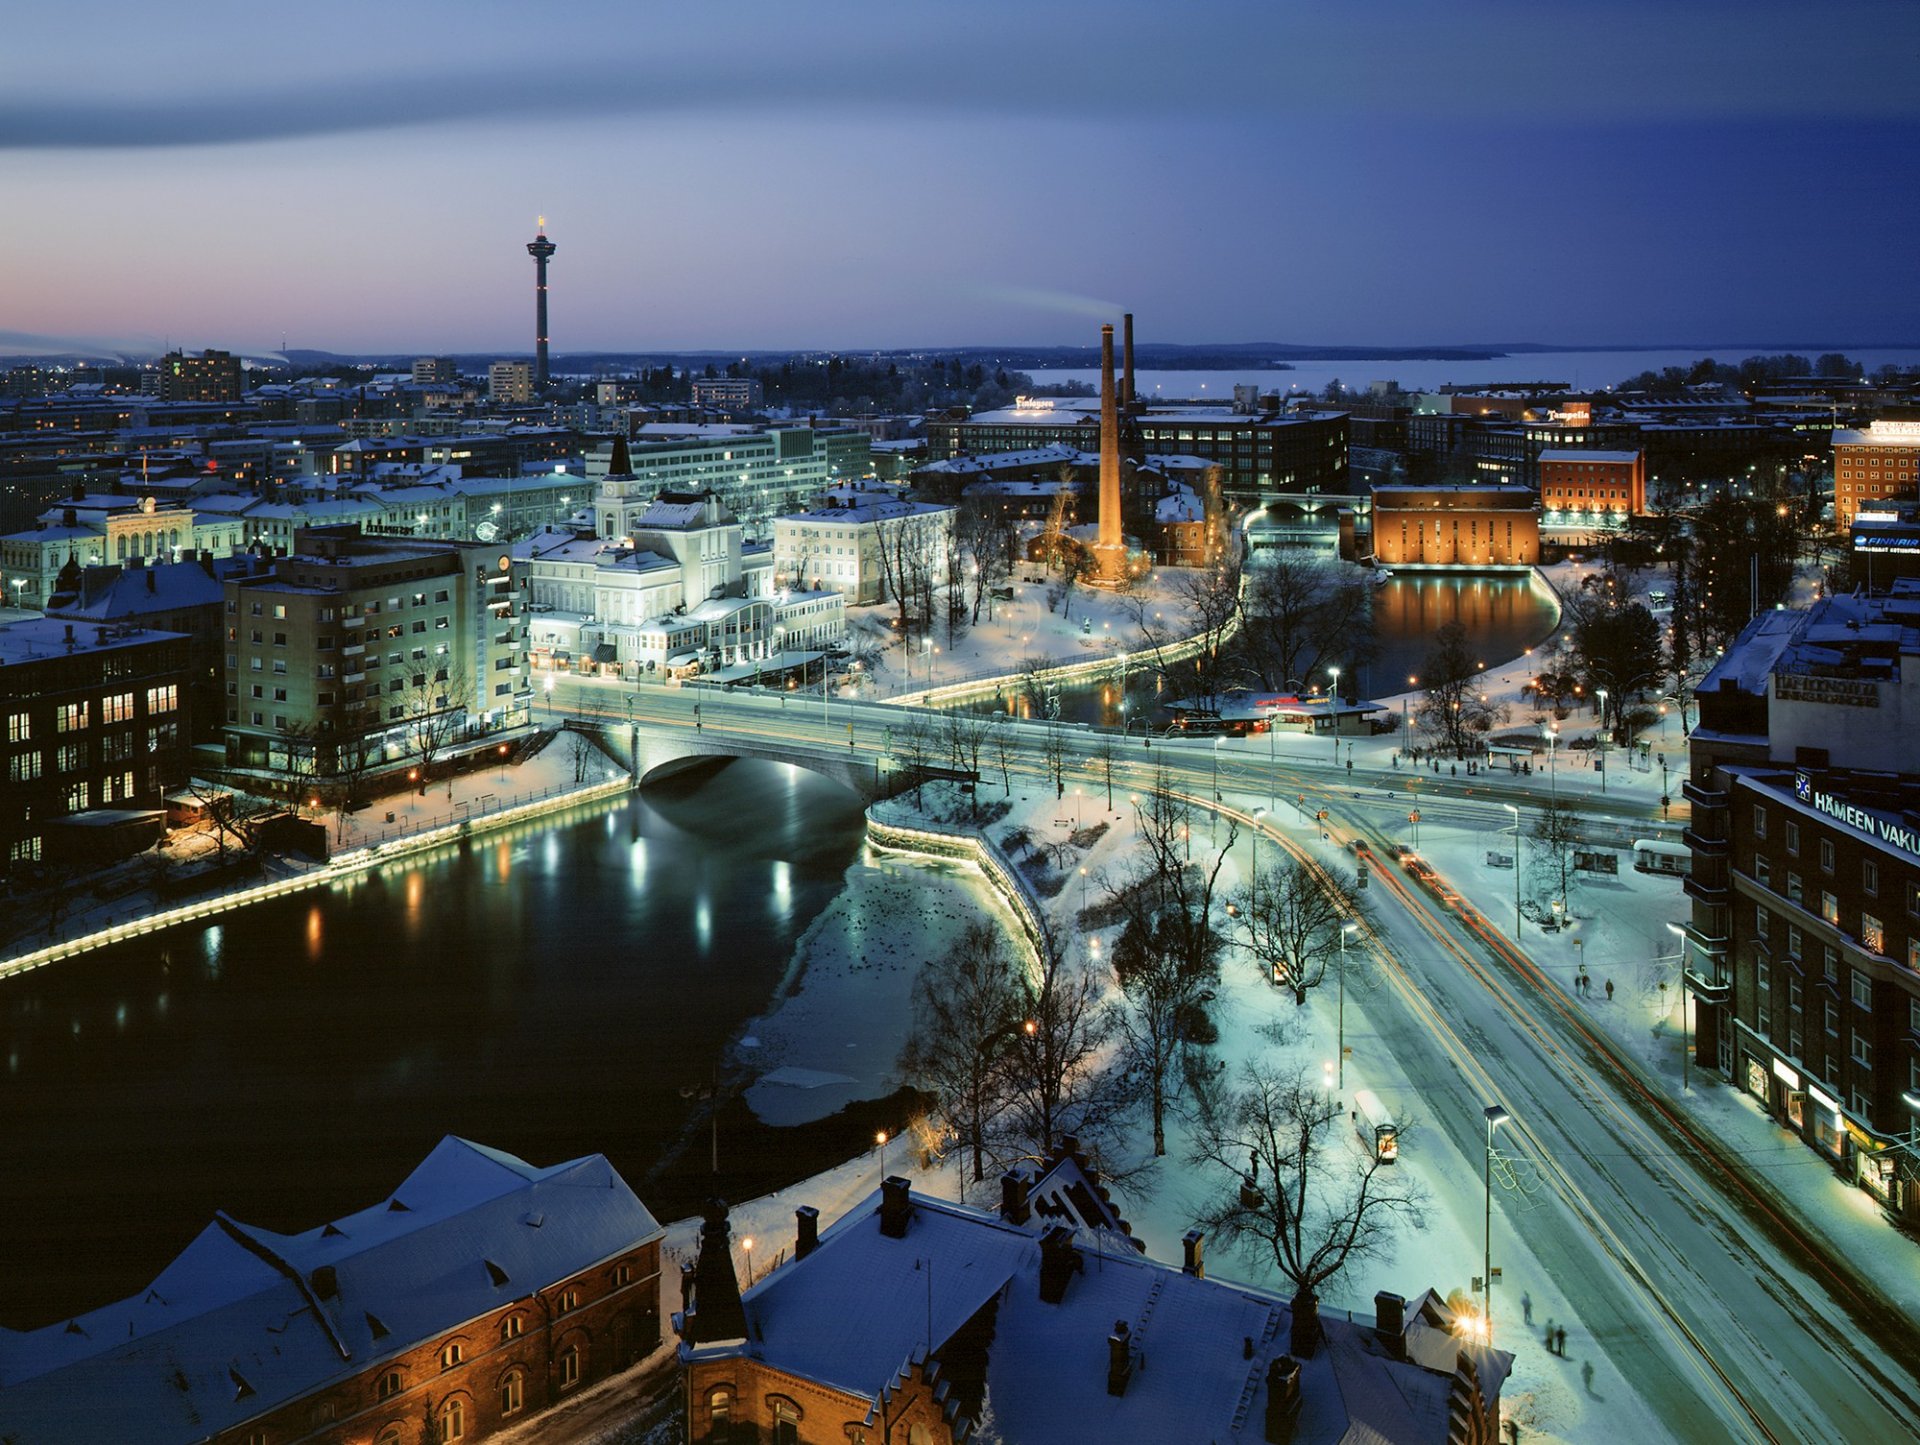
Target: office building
[727, 393]
[510, 383]
[210, 376]
[1590, 486]
[1803, 950]
[1874, 465]
[861, 543]
[96, 731]
[360, 652]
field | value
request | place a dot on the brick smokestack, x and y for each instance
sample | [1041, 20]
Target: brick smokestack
[1126, 354]
[1110, 537]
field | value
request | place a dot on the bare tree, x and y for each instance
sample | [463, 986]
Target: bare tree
[1053, 752]
[1555, 834]
[916, 750]
[1302, 613]
[581, 753]
[1166, 957]
[1006, 747]
[233, 817]
[967, 1010]
[1188, 648]
[434, 705]
[1453, 709]
[1101, 760]
[1293, 1191]
[352, 753]
[1290, 917]
[1061, 1076]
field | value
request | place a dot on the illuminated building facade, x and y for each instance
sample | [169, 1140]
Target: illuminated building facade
[1580, 487]
[1874, 466]
[1460, 528]
[1803, 951]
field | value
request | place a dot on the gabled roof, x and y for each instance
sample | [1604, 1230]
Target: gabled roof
[245, 1319]
[863, 1304]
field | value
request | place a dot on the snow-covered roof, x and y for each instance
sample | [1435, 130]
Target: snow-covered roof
[1586, 454]
[109, 594]
[39, 638]
[168, 1365]
[864, 1303]
[59, 532]
[1179, 506]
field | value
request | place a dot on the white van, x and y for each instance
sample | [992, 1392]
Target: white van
[1375, 1126]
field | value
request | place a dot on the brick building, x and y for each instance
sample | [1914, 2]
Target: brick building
[1579, 485]
[1455, 527]
[901, 1322]
[96, 730]
[483, 1291]
[1874, 465]
[1803, 953]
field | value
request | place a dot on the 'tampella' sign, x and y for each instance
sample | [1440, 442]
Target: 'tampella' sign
[1874, 825]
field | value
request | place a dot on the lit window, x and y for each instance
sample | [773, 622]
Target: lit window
[452, 1355]
[453, 1422]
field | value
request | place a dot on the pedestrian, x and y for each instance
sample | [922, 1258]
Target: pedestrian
[1586, 1376]
[1609, 990]
[1526, 1309]
[1549, 1336]
[1560, 1343]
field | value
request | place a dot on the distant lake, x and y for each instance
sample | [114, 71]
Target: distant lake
[1580, 369]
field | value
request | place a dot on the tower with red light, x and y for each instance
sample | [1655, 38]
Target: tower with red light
[541, 249]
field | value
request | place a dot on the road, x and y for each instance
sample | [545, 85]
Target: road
[1730, 1321]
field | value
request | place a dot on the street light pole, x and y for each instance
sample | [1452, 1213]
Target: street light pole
[1602, 693]
[1511, 808]
[1213, 808]
[1495, 1116]
[1333, 712]
[1341, 1039]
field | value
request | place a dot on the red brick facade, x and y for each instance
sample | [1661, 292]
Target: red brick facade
[492, 1372]
[1605, 482]
[1455, 527]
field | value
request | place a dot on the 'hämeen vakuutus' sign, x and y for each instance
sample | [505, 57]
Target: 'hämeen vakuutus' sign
[1878, 826]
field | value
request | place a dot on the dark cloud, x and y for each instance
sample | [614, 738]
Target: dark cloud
[1392, 64]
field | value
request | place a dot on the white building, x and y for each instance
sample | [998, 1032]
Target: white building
[680, 590]
[839, 546]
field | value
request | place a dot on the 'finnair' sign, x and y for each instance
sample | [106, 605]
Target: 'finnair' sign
[1894, 835]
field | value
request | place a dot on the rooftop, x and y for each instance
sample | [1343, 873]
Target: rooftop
[43, 638]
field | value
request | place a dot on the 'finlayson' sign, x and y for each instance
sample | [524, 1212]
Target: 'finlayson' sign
[1874, 825]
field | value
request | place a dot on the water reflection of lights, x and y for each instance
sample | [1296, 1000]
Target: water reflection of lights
[637, 861]
[416, 892]
[703, 923]
[316, 929]
[783, 884]
[120, 1017]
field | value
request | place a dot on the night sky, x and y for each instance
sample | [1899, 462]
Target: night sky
[365, 177]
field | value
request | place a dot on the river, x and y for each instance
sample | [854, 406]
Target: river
[1504, 616]
[553, 990]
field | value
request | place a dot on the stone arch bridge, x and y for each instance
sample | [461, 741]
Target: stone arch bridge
[649, 752]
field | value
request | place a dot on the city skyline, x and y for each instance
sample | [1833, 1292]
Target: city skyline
[893, 178]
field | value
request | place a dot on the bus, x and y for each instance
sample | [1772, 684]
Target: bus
[1375, 1126]
[1651, 855]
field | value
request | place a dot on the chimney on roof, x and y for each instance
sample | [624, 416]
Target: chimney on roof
[1305, 1338]
[152, 587]
[1126, 351]
[1013, 1197]
[1119, 1358]
[1283, 1399]
[1390, 1322]
[894, 1207]
[807, 1231]
[1193, 1245]
[1059, 1261]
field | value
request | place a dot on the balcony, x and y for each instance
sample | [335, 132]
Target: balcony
[353, 649]
[1702, 892]
[1712, 847]
[1702, 797]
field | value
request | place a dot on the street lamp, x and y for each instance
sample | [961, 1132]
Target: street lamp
[747, 1244]
[1333, 712]
[1685, 1047]
[549, 697]
[1253, 888]
[1341, 1040]
[1406, 725]
[1213, 810]
[1496, 1116]
[881, 1139]
[1511, 808]
[1601, 692]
